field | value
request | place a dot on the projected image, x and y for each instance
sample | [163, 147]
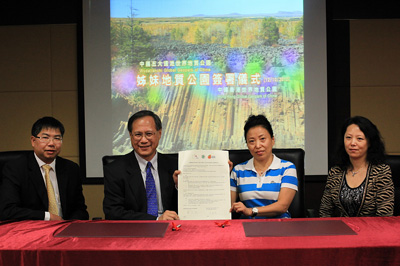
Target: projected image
[204, 67]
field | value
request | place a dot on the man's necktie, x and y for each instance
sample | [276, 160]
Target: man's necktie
[50, 191]
[151, 193]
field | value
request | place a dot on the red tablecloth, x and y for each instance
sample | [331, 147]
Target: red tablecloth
[202, 243]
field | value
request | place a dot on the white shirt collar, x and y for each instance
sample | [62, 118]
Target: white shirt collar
[41, 163]
[274, 165]
[143, 163]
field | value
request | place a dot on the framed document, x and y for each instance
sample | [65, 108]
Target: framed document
[204, 185]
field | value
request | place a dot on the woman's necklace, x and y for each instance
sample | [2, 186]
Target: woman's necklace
[261, 172]
[261, 169]
[353, 173]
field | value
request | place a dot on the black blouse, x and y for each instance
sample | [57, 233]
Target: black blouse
[351, 198]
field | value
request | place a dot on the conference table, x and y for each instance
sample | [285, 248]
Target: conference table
[359, 241]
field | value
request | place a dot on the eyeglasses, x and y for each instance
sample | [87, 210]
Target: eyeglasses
[47, 139]
[139, 136]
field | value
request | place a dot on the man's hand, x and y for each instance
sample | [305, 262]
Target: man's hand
[175, 176]
[169, 215]
[54, 217]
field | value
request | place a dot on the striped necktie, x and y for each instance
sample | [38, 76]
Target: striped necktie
[151, 193]
[50, 191]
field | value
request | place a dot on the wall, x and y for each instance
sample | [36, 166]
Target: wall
[363, 79]
[375, 76]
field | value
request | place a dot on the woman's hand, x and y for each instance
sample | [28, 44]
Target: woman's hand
[239, 207]
[230, 165]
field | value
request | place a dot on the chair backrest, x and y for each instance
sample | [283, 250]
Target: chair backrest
[109, 159]
[296, 156]
[6, 156]
[394, 162]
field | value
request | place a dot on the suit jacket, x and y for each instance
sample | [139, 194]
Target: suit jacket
[125, 193]
[23, 191]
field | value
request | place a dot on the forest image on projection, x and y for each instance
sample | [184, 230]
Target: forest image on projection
[205, 75]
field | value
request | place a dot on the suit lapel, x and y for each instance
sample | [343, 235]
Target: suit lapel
[135, 179]
[36, 177]
[163, 175]
[62, 180]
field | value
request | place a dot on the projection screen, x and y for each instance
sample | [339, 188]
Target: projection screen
[204, 67]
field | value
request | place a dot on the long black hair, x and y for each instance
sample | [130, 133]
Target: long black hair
[376, 148]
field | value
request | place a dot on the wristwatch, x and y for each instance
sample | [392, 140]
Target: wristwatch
[255, 212]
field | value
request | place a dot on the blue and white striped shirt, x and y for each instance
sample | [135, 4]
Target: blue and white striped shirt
[258, 191]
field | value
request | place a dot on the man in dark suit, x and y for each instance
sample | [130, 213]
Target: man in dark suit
[27, 185]
[126, 187]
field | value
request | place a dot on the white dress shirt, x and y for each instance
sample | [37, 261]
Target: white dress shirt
[53, 179]
[154, 170]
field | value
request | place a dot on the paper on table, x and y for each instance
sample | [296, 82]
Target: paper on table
[204, 185]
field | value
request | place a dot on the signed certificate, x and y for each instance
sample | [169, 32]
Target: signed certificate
[204, 185]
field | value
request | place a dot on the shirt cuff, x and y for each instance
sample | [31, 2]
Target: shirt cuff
[46, 216]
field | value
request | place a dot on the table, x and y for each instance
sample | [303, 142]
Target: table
[202, 243]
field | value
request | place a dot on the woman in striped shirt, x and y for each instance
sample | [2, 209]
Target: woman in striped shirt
[265, 184]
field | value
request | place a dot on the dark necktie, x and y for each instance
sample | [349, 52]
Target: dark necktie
[151, 193]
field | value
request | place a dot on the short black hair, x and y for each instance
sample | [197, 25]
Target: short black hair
[141, 114]
[376, 148]
[257, 120]
[47, 122]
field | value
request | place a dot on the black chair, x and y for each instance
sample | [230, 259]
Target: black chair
[394, 162]
[6, 156]
[109, 159]
[296, 156]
